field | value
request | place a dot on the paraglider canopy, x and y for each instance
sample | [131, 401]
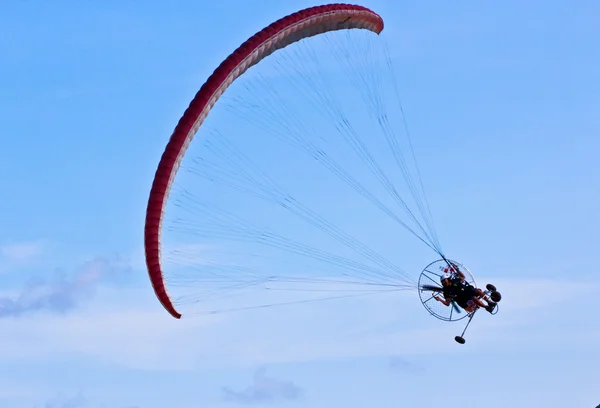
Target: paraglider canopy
[292, 28]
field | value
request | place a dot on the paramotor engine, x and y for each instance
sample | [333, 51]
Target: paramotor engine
[431, 290]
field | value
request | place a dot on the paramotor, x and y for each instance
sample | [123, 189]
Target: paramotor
[238, 247]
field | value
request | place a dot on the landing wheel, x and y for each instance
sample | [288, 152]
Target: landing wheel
[496, 297]
[460, 339]
[490, 287]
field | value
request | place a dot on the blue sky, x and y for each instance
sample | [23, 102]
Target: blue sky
[90, 94]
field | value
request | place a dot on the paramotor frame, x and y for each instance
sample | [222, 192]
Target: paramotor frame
[430, 286]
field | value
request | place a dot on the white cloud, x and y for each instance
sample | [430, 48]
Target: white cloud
[60, 401]
[15, 255]
[14, 389]
[22, 251]
[264, 389]
[119, 328]
[61, 293]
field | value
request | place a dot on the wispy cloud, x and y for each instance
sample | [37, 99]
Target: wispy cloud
[22, 251]
[377, 327]
[77, 401]
[264, 389]
[60, 293]
[401, 364]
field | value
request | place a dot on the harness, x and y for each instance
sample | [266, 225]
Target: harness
[459, 291]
